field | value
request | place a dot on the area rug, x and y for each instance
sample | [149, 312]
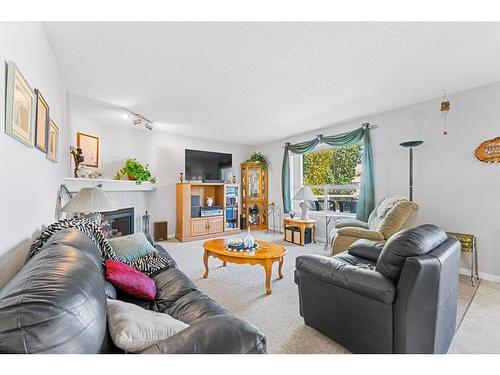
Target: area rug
[240, 289]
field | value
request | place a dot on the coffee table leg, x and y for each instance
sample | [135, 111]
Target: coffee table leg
[280, 267]
[268, 267]
[224, 264]
[205, 261]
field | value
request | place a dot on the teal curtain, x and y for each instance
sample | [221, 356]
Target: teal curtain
[298, 148]
[366, 201]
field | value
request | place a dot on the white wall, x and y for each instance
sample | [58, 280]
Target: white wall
[163, 152]
[454, 190]
[29, 182]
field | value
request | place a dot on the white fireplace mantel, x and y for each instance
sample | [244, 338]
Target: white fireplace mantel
[75, 184]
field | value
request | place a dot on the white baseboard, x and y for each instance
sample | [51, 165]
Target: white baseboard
[482, 275]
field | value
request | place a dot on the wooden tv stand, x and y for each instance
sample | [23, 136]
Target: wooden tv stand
[190, 228]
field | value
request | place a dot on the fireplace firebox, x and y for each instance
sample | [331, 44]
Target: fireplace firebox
[119, 222]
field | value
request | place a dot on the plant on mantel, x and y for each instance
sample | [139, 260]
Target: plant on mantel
[135, 171]
[257, 157]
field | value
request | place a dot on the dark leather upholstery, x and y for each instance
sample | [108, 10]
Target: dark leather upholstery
[408, 243]
[350, 301]
[218, 334]
[366, 249]
[358, 278]
[57, 304]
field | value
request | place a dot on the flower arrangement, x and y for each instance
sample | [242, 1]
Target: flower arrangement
[135, 171]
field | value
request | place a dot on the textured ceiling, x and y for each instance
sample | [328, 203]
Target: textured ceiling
[252, 83]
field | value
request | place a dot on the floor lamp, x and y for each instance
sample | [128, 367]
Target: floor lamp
[411, 145]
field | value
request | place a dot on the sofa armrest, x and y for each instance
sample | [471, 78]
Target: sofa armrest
[221, 334]
[342, 223]
[361, 233]
[364, 281]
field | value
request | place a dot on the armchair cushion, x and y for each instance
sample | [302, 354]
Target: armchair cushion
[408, 243]
[391, 216]
[360, 233]
[357, 278]
[342, 223]
[366, 249]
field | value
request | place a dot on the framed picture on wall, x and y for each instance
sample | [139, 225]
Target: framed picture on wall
[20, 107]
[90, 149]
[53, 142]
[42, 122]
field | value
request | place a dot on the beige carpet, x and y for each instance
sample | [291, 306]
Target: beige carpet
[240, 289]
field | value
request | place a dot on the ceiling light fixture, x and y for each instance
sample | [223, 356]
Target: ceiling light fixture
[138, 119]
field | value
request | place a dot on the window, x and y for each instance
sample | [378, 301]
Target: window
[334, 175]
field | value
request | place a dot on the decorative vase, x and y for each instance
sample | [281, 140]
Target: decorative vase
[249, 241]
[210, 201]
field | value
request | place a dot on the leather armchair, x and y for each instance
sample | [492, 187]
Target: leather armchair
[397, 297]
[390, 216]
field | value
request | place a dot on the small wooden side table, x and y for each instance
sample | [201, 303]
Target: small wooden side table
[302, 225]
[468, 244]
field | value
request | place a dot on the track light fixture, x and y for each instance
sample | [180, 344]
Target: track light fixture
[138, 119]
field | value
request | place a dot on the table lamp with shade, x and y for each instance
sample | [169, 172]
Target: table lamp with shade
[305, 195]
[91, 202]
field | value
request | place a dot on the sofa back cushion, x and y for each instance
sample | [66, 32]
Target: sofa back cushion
[410, 242]
[391, 215]
[56, 302]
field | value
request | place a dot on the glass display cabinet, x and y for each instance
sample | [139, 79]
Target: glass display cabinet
[254, 195]
[231, 206]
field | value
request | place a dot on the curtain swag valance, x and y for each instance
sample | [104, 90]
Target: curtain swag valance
[366, 201]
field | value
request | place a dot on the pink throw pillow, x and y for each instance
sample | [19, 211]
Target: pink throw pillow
[130, 280]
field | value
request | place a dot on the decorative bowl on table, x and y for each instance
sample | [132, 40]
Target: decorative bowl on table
[237, 244]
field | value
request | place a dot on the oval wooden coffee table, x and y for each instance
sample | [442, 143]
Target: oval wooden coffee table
[266, 255]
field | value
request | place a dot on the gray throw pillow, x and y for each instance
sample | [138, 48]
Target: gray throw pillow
[130, 247]
[408, 243]
[133, 328]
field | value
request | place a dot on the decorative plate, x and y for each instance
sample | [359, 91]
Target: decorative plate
[489, 151]
[241, 247]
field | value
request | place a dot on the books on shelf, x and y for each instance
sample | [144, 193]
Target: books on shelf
[232, 217]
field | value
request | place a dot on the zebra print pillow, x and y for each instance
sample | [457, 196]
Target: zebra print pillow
[150, 264]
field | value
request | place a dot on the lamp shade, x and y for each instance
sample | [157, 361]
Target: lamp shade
[305, 194]
[90, 200]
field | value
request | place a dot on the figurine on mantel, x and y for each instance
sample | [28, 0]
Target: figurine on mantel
[77, 157]
[91, 173]
[80, 171]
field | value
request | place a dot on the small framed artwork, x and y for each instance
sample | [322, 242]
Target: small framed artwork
[90, 149]
[20, 107]
[42, 122]
[53, 142]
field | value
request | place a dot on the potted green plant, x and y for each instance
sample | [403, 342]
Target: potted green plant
[135, 171]
[257, 157]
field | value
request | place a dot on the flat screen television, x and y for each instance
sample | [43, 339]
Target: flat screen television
[208, 166]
